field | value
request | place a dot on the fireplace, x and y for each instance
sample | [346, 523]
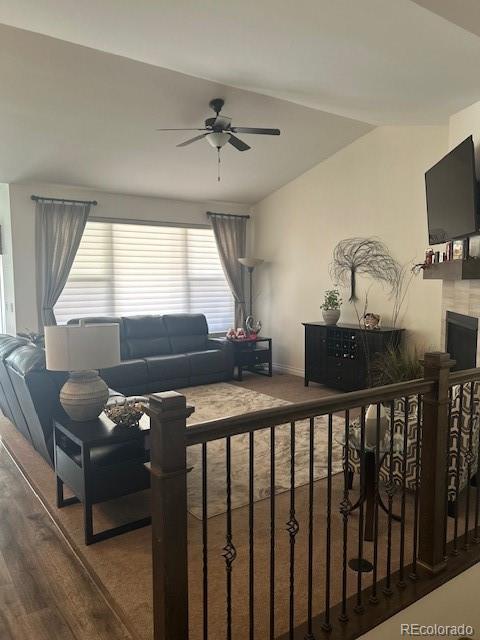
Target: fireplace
[461, 340]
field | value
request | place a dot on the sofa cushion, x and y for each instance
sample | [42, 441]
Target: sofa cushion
[8, 400]
[145, 336]
[168, 367]
[9, 344]
[187, 331]
[206, 362]
[27, 358]
[127, 375]
[37, 393]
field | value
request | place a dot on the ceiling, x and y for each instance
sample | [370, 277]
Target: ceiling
[380, 61]
[72, 115]
[323, 72]
[465, 14]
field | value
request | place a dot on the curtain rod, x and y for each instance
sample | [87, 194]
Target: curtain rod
[41, 198]
[227, 215]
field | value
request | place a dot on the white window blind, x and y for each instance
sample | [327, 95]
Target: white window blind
[131, 269]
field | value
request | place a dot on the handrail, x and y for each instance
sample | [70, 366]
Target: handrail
[467, 375]
[248, 422]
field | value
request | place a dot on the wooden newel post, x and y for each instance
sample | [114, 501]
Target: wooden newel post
[168, 415]
[433, 484]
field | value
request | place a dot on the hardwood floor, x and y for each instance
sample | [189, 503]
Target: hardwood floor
[45, 593]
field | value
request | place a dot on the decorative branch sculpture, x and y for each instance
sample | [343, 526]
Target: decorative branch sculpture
[366, 256]
[370, 257]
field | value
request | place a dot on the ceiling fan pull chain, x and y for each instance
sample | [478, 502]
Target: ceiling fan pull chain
[218, 164]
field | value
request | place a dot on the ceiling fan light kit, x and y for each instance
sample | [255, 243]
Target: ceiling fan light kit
[218, 139]
[219, 131]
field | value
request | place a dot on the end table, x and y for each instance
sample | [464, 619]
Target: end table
[254, 355]
[100, 461]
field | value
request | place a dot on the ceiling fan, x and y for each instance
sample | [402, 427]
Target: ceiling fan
[219, 130]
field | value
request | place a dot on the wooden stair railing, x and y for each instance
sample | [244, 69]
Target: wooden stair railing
[169, 441]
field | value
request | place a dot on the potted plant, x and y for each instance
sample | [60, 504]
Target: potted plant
[331, 306]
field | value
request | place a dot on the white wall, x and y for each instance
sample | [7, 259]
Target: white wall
[109, 206]
[373, 187]
[7, 260]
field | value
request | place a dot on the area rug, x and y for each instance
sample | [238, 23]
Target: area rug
[213, 401]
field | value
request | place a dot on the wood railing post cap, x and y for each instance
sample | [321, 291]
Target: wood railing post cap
[169, 401]
[438, 359]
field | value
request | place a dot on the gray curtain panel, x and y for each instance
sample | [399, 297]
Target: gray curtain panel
[231, 238]
[59, 228]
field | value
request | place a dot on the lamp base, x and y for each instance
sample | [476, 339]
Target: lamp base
[84, 395]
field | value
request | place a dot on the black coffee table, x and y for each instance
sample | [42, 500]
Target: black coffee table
[100, 461]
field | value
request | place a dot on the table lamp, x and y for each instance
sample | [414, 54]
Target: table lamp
[250, 263]
[83, 349]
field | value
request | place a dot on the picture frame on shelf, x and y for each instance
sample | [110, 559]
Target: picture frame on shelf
[474, 247]
[458, 250]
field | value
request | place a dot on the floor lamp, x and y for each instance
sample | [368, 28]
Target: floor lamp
[250, 264]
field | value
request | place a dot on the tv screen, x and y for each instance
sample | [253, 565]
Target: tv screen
[451, 187]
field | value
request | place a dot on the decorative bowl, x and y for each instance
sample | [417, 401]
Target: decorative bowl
[126, 411]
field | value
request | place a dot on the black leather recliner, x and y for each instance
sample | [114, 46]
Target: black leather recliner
[159, 353]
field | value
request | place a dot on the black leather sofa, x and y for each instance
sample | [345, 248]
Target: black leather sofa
[159, 353]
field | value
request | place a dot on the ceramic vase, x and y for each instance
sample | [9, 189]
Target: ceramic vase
[371, 425]
[83, 396]
[331, 316]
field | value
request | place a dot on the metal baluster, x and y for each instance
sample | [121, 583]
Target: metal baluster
[272, 533]
[476, 538]
[390, 493]
[373, 597]
[326, 625]
[359, 608]
[311, 461]
[449, 456]
[205, 540]
[413, 574]
[457, 473]
[469, 459]
[251, 539]
[292, 528]
[401, 581]
[345, 507]
[229, 551]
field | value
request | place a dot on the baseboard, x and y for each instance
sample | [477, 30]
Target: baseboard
[285, 368]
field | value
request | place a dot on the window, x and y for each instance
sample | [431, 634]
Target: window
[129, 269]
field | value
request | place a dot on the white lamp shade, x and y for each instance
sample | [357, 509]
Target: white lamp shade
[82, 347]
[251, 263]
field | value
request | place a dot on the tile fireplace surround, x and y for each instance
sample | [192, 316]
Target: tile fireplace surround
[461, 296]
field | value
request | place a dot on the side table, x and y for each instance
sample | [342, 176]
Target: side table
[254, 355]
[100, 461]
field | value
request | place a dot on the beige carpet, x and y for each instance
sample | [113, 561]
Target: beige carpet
[122, 566]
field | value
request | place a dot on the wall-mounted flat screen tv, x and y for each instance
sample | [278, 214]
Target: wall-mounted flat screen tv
[452, 195]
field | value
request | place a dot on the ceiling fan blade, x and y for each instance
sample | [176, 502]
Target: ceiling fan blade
[202, 129]
[264, 132]
[221, 122]
[187, 142]
[238, 144]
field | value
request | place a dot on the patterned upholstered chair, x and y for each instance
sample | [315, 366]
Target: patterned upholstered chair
[464, 424]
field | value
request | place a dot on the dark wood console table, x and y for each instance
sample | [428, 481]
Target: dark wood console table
[336, 355]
